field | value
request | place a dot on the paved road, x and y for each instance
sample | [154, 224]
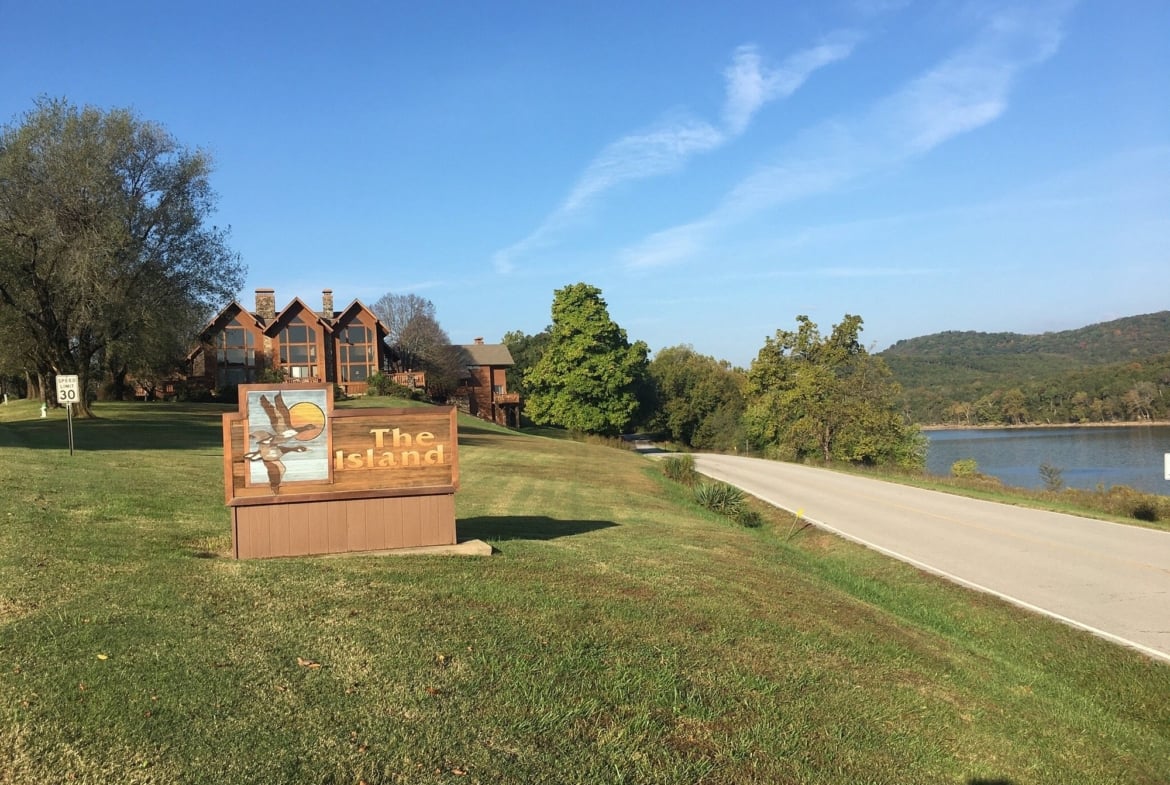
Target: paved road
[1108, 578]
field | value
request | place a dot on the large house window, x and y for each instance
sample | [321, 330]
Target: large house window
[298, 350]
[235, 355]
[356, 353]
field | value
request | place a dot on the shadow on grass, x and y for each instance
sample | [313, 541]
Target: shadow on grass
[524, 527]
[119, 434]
[487, 440]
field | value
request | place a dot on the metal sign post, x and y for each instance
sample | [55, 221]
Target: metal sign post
[67, 392]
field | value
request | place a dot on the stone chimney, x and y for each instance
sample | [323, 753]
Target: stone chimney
[327, 303]
[266, 304]
[479, 341]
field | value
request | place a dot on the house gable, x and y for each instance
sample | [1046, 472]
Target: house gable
[358, 345]
[301, 343]
[230, 349]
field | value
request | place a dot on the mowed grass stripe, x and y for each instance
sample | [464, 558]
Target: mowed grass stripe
[619, 634]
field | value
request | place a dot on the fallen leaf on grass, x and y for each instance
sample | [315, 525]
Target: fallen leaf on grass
[103, 656]
[308, 663]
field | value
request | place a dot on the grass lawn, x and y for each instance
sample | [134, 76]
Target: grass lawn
[619, 634]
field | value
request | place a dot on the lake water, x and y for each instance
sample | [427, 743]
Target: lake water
[1086, 456]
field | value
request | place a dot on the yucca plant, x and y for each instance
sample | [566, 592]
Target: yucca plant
[680, 468]
[721, 498]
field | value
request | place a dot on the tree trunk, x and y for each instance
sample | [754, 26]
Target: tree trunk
[118, 386]
[33, 386]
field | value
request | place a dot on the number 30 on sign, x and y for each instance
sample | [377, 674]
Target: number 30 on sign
[67, 389]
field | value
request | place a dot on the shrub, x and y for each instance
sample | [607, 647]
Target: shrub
[1147, 511]
[270, 375]
[401, 391]
[1052, 476]
[749, 518]
[378, 384]
[1121, 500]
[721, 498]
[965, 468]
[680, 468]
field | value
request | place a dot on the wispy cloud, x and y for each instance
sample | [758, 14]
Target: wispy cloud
[964, 92]
[750, 83]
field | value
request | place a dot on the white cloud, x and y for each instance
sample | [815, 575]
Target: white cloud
[751, 84]
[666, 147]
[964, 92]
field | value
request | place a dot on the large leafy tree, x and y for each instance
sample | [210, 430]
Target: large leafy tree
[526, 351]
[826, 397]
[589, 378]
[700, 399]
[103, 237]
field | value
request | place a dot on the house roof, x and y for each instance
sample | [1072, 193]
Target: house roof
[496, 354]
[297, 305]
[353, 308]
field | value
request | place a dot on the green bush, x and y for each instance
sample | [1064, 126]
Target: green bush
[270, 375]
[401, 391]
[680, 468]
[721, 498]
[1147, 511]
[749, 518]
[965, 468]
[378, 384]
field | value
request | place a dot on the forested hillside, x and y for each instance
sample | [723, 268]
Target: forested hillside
[1107, 372]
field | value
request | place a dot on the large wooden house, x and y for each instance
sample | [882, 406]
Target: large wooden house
[341, 347]
[483, 388]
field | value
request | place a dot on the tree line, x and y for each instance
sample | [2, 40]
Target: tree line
[1109, 372]
[1135, 391]
[805, 396]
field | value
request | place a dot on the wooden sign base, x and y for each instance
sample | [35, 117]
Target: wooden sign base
[342, 525]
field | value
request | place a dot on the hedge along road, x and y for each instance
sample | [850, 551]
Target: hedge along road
[1108, 578]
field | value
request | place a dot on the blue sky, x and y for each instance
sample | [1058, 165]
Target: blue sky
[715, 168]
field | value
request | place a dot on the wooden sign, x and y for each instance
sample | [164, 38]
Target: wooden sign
[302, 478]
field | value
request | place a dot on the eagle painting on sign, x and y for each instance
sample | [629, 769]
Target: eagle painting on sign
[302, 478]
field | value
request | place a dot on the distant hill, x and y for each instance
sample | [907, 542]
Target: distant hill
[945, 372]
[1107, 342]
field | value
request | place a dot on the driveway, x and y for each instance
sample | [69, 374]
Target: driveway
[1110, 579]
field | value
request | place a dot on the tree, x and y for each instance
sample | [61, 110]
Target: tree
[590, 377]
[526, 351]
[828, 398]
[1139, 400]
[103, 236]
[699, 399]
[1014, 407]
[424, 344]
[396, 311]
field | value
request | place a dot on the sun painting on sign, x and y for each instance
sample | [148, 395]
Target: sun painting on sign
[286, 433]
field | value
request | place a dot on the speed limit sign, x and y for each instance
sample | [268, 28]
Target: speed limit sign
[67, 389]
